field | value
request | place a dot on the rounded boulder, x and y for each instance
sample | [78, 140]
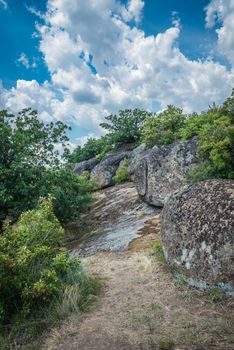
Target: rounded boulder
[198, 234]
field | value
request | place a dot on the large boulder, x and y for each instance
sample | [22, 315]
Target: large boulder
[104, 171]
[197, 228]
[135, 158]
[163, 169]
[86, 165]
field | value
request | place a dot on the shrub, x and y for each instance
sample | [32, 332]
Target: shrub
[215, 147]
[71, 193]
[163, 128]
[122, 173]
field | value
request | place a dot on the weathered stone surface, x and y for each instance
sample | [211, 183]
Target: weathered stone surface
[163, 169]
[104, 171]
[86, 165]
[198, 233]
[135, 158]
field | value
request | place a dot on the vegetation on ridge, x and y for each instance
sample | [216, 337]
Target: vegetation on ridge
[214, 129]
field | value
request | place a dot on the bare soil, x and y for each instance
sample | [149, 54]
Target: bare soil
[142, 306]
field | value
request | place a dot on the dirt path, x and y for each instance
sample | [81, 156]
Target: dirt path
[143, 307]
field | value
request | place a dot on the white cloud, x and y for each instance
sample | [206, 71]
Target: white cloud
[222, 11]
[24, 60]
[4, 4]
[99, 63]
[133, 11]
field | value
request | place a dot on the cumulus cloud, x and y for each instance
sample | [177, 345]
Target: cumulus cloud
[222, 12]
[4, 4]
[100, 61]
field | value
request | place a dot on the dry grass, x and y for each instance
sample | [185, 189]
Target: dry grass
[143, 308]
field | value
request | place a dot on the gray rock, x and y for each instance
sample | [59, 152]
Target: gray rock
[86, 165]
[163, 169]
[197, 228]
[135, 158]
[103, 172]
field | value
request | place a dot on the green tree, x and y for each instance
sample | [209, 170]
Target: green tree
[164, 128]
[30, 164]
[126, 126]
[91, 149]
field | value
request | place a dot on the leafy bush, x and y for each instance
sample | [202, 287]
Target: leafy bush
[39, 283]
[164, 128]
[30, 167]
[126, 126]
[215, 146]
[71, 193]
[122, 173]
[33, 267]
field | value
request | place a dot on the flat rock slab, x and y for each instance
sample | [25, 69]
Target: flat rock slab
[116, 219]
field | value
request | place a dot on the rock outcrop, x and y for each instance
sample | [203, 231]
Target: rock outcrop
[163, 169]
[197, 230]
[104, 171]
[86, 165]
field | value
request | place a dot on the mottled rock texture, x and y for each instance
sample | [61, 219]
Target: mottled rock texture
[135, 158]
[104, 171]
[163, 169]
[198, 233]
[86, 165]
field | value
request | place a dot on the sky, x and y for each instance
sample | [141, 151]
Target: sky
[78, 61]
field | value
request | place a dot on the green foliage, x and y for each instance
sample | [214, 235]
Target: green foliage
[92, 148]
[122, 173]
[215, 147]
[33, 267]
[158, 251]
[71, 193]
[216, 294]
[164, 128]
[195, 123]
[166, 344]
[40, 284]
[180, 281]
[215, 132]
[30, 167]
[126, 126]
[105, 150]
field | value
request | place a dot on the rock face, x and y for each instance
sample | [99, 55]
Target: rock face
[162, 170]
[86, 165]
[106, 169]
[135, 158]
[198, 233]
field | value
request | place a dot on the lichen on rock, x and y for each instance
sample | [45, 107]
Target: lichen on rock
[198, 233]
[163, 169]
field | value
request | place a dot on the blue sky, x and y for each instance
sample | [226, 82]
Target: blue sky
[78, 62]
